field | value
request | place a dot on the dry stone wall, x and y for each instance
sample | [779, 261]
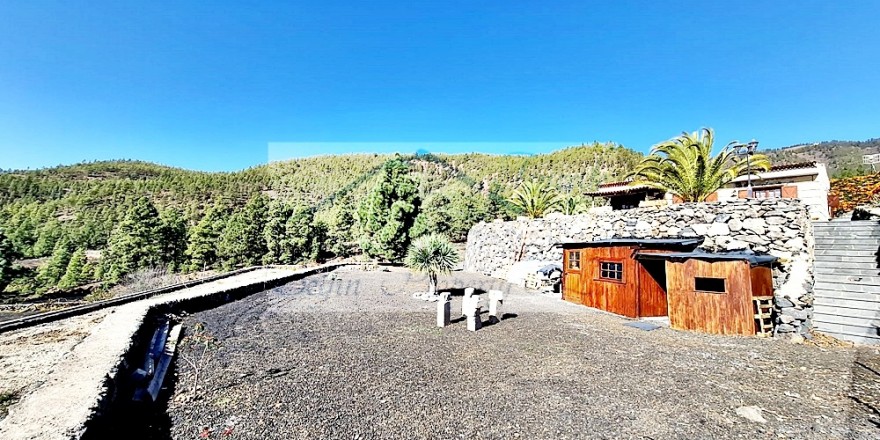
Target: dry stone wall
[780, 227]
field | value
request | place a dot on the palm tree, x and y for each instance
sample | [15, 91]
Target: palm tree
[571, 205]
[535, 198]
[432, 254]
[684, 166]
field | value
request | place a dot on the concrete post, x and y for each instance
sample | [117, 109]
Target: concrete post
[474, 322]
[468, 292]
[496, 298]
[444, 309]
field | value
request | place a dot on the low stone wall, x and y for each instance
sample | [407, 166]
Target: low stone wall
[780, 227]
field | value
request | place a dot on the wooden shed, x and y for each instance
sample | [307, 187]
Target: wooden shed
[604, 274]
[716, 293]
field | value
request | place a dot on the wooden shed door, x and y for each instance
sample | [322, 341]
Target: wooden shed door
[572, 264]
[652, 288]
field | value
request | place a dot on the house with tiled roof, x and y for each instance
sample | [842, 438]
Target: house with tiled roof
[806, 181]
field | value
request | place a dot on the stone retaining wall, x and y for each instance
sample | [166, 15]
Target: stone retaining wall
[780, 227]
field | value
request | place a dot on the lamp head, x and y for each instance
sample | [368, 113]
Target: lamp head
[752, 146]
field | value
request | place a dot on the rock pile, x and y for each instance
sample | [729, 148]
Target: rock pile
[780, 227]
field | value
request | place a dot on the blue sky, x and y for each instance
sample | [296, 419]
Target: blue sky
[213, 85]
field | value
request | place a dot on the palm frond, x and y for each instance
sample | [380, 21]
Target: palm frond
[685, 166]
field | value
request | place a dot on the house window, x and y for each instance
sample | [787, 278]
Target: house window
[768, 193]
[610, 271]
[711, 285]
[574, 260]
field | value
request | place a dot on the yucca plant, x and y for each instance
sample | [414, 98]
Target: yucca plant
[432, 254]
[684, 166]
[535, 199]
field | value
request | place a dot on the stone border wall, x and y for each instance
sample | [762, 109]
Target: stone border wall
[780, 227]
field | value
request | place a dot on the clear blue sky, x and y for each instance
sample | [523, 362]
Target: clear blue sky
[212, 84]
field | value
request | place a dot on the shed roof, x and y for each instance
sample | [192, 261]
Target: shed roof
[619, 188]
[641, 242]
[753, 258]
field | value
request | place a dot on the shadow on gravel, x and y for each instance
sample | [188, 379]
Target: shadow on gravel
[138, 420]
[459, 291]
[865, 388]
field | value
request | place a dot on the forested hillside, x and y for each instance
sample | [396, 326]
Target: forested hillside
[140, 214]
[842, 158]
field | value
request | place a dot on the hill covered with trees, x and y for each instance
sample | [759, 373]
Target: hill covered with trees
[140, 215]
[842, 158]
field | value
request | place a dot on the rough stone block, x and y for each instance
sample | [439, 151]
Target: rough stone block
[734, 225]
[716, 229]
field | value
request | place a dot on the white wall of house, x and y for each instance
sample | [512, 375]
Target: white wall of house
[812, 187]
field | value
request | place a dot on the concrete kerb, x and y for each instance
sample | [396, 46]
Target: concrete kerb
[41, 318]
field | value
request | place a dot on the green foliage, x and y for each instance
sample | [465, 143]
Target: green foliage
[136, 243]
[242, 242]
[499, 207]
[571, 205]
[389, 212]
[341, 228]
[292, 234]
[8, 255]
[535, 199]
[88, 203]
[684, 166]
[78, 271]
[432, 254]
[204, 239]
[452, 212]
[848, 172]
[51, 272]
[172, 230]
[48, 236]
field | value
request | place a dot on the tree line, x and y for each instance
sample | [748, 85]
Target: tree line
[98, 222]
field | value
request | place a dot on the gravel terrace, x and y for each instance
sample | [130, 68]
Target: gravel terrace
[352, 355]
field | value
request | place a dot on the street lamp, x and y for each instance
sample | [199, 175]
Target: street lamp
[747, 150]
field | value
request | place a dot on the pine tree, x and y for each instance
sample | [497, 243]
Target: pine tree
[242, 242]
[135, 243]
[499, 206]
[172, 231]
[47, 237]
[7, 259]
[389, 212]
[341, 233]
[275, 231]
[50, 273]
[204, 239]
[77, 272]
[292, 234]
[300, 234]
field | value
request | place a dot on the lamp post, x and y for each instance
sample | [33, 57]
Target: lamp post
[747, 150]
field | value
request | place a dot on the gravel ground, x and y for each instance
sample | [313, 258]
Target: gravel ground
[357, 357]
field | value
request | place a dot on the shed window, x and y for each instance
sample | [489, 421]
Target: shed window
[713, 285]
[574, 260]
[611, 271]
